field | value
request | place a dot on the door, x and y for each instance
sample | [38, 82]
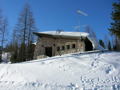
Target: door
[48, 51]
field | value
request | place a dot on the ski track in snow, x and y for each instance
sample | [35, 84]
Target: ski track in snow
[96, 71]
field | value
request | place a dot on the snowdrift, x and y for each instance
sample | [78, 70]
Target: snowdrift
[95, 71]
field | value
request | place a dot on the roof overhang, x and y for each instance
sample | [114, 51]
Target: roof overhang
[57, 36]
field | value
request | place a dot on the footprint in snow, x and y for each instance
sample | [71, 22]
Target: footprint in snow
[109, 69]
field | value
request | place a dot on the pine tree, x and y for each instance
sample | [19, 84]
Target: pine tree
[13, 47]
[102, 43]
[115, 25]
[14, 51]
[109, 46]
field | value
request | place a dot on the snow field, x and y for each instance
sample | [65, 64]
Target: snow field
[95, 71]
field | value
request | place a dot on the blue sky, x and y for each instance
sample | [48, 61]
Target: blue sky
[61, 14]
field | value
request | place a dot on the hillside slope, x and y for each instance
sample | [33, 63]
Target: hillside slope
[96, 71]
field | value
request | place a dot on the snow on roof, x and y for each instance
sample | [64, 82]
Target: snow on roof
[72, 34]
[34, 43]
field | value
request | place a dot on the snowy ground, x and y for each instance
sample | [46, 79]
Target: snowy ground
[96, 71]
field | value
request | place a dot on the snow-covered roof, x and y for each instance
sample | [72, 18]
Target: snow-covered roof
[34, 43]
[69, 34]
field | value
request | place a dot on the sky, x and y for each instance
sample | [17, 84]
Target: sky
[62, 14]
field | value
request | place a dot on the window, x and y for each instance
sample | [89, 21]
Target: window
[73, 45]
[58, 48]
[63, 47]
[68, 46]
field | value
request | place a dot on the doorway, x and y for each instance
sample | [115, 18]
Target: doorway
[48, 51]
[88, 45]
